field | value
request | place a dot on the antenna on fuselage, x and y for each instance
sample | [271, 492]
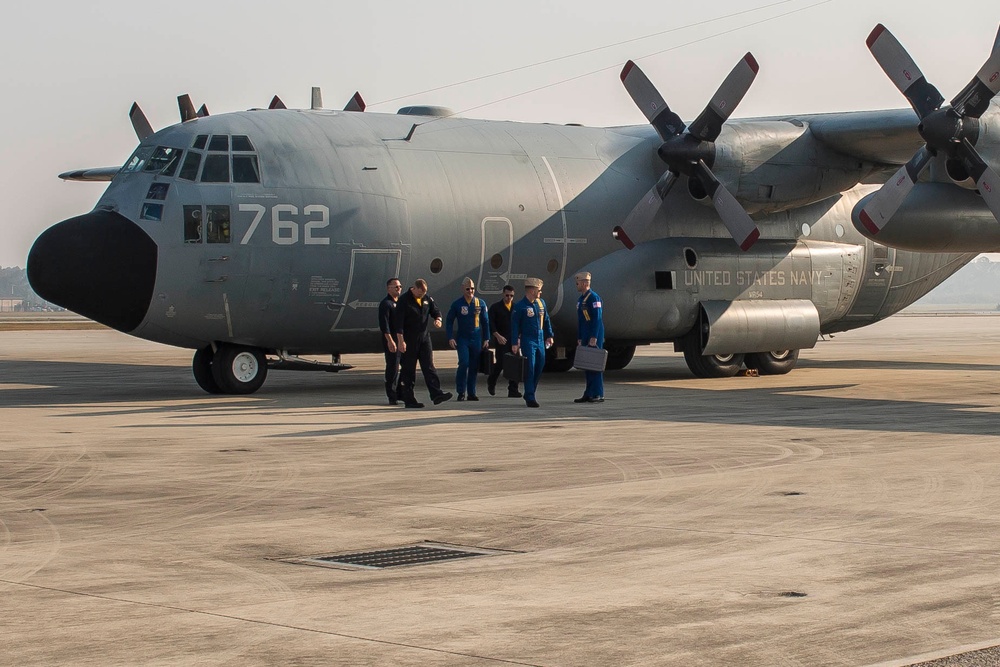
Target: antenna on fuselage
[317, 99]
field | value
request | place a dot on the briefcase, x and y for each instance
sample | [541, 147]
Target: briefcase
[486, 361]
[515, 367]
[590, 358]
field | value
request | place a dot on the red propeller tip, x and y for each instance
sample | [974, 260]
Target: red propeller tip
[628, 68]
[752, 62]
[875, 34]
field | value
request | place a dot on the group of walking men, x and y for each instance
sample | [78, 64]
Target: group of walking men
[523, 328]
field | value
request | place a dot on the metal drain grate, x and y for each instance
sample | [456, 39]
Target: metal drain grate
[414, 554]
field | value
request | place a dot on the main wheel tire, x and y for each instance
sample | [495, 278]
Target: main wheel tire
[201, 365]
[711, 365]
[619, 357]
[238, 369]
[777, 362]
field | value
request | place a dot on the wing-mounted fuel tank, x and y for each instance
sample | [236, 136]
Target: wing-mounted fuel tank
[773, 166]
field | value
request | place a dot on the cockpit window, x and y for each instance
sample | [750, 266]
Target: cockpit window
[138, 159]
[245, 168]
[241, 143]
[200, 141]
[189, 170]
[219, 142]
[216, 168]
[164, 160]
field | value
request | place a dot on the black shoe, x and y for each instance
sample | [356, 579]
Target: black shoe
[414, 405]
[461, 397]
[492, 388]
[514, 394]
[583, 399]
[441, 398]
[599, 399]
[393, 401]
[473, 397]
[532, 404]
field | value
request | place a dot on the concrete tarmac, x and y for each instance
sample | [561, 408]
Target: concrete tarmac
[844, 514]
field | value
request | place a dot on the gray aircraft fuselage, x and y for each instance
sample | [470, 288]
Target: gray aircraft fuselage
[297, 262]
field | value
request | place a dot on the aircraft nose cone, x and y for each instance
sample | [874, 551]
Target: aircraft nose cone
[100, 265]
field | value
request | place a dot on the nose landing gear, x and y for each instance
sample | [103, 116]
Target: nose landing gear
[229, 369]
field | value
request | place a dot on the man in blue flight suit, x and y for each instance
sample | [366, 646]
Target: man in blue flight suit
[472, 338]
[590, 327]
[531, 333]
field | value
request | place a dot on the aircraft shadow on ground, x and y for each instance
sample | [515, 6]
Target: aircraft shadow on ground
[735, 401]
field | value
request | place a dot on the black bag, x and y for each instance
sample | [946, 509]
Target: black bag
[515, 367]
[486, 361]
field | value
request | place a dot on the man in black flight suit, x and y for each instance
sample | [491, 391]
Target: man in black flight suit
[415, 311]
[500, 339]
[386, 314]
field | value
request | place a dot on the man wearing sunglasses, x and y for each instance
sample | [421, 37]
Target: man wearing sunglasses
[472, 337]
[500, 337]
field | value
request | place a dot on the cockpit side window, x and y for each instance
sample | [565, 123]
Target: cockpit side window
[217, 220]
[200, 141]
[164, 160]
[138, 159]
[245, 169]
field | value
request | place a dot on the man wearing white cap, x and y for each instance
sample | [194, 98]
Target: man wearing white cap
[531, 332]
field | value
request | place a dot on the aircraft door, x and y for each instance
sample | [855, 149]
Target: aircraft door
[875, 282]
[370, 268]
[497, 253]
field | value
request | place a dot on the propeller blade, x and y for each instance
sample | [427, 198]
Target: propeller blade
[881, 207]
[203, 111]
[276, 103]
[650, 102]
[186, 107]
[709, 124]
[139, 122]
[903, 71]
[975, 98]
[357, 103]
[635, 229]
[986, 178]
[317, 99]
[639, 220]
[740, 225]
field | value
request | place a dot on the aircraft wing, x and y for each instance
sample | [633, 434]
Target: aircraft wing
[96, 174]
[883, 137]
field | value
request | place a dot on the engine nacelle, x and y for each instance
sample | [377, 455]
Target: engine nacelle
[937, 217]
[772, 166]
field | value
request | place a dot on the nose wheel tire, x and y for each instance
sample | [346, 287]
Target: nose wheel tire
[237, 369]
[777, 362]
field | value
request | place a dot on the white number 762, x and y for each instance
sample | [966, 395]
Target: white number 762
[285, 231]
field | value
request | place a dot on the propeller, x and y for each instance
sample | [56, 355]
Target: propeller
[689, 152]
[186, 107]
[139, 122]
[951, 131]
[356, 103]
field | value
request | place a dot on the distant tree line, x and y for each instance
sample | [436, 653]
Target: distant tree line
[14, 285]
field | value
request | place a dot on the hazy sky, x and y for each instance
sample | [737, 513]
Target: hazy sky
[72, 69]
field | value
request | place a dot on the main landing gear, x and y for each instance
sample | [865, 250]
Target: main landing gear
[777, 362]
[229, 369]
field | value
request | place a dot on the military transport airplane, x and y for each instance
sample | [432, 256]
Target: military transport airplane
[258, 237]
